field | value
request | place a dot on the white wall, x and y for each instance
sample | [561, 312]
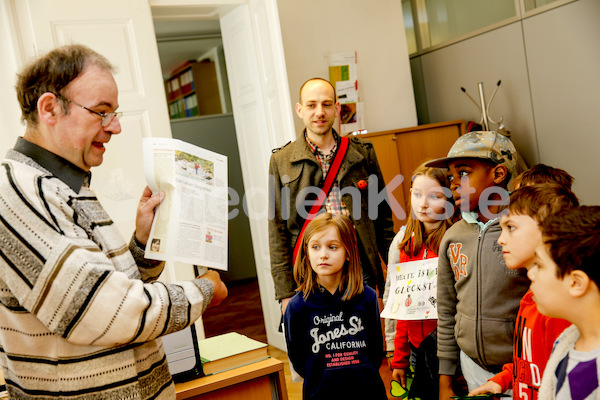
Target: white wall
[488, 58]
[313, 29]
[563, 55]
[10, 113]
[550, 92]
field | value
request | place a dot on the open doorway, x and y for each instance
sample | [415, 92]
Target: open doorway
[262, 112]
[185, 41]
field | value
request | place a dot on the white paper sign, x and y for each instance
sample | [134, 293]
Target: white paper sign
[413, 291]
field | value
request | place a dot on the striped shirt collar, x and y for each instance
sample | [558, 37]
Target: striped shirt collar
[63, 169]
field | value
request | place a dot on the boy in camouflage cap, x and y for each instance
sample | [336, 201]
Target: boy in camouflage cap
[488, 149]
[478, 296]
[486, 145]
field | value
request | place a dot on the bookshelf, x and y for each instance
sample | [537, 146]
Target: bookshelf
[192, 90]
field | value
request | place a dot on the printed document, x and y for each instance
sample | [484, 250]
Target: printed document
[190, 225]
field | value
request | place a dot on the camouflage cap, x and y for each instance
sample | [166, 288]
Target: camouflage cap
[488, 145]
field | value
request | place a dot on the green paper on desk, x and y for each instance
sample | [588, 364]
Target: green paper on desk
[230, 350]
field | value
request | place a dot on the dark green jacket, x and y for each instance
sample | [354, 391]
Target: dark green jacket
[295, 167]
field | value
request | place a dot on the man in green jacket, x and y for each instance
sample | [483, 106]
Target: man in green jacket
[297, 172]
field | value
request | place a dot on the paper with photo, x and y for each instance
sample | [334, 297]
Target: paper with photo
[413, 290]
[190, 225]
[343, 75]
[351, 117]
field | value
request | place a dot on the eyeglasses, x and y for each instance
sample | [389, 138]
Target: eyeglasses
[106, 117]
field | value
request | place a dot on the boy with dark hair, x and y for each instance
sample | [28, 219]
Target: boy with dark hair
[542, 173]
[564, 280]
[478, 297]
[534, 333]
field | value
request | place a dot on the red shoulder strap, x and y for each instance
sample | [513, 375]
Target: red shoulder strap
[331, 175]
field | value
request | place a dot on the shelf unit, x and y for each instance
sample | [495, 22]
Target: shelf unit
[193, 90]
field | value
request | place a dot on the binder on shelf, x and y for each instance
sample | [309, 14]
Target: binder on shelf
[191, 106]
[177, 109]
[194, 106]
[186, 82]
[175, 91]
[188, 108]
[181, 103]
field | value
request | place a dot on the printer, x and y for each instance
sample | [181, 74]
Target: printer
[183, 355]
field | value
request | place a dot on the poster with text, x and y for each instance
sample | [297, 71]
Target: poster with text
[413, 290]
[343, 76]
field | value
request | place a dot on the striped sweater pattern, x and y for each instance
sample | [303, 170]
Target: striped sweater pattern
[80, 310]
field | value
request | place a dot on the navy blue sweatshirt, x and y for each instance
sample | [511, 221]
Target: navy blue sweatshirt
[335, 345]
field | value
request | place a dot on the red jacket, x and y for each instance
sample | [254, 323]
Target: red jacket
[413, 331]
[534, 337]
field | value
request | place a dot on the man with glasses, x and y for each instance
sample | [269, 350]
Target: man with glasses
[80, 309]
[106, 117]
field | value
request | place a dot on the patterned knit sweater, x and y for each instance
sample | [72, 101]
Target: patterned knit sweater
[80, 310]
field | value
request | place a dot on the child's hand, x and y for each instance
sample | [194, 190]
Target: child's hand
[399, 374]
[446, 391]
[389, 357]
[488, 387]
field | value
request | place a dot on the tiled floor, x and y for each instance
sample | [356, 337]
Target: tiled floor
[241, 312]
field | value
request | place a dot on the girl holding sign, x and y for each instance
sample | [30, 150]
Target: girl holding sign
[332, 325]
[432, 214]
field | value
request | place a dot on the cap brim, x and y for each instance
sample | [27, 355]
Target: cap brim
[439, 163]
[444, 162]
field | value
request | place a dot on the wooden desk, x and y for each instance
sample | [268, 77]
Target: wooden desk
[257, 381]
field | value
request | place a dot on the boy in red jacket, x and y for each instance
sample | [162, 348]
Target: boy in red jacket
[534, 332]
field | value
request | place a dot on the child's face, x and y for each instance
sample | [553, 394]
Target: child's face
[326, 253]
[468, 178]
[548, 289]
[519, 238]
[428, 201]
